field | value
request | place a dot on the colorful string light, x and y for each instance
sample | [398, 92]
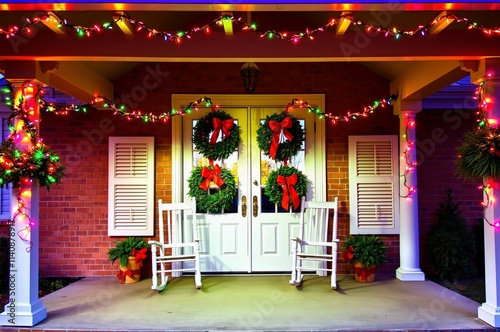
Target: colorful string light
[194, 105]
[410, 165]
[177, 37]
[23, 156]
[334, 119]
[482, 122]
[19, 216]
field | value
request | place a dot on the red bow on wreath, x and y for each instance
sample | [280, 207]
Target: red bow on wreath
[277, 128]
[288, 184]
[123, 274]
[211, 175]
[219, 124]
[139, 255]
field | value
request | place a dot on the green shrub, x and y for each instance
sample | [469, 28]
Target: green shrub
[123, 249]
[368, 250]
[451, 244]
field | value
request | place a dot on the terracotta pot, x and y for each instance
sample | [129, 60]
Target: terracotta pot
[363, 273]
[134, 268]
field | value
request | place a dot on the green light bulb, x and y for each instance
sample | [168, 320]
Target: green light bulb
[38, 155]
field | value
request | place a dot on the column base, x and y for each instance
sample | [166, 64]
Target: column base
[410, 274]
[489, 314]
[23, 314]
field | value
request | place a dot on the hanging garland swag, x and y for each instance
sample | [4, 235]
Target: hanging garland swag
[199, 188]
[38, 163]
[479, 154]
[280, 136]
[285, 186]
[206, 133]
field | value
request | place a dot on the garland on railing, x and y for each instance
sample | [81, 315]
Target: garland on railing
[140, 27]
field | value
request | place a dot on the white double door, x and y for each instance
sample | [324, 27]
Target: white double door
[254, 235]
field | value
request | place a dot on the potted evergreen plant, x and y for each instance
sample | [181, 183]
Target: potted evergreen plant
[366, 252]
[130, 254]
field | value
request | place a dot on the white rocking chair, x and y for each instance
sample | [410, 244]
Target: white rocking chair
[312, 243]
[182, 244]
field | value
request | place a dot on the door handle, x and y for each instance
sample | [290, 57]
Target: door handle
[255, 206]
[243, 206]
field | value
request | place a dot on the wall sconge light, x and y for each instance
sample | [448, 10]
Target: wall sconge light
[249, 74]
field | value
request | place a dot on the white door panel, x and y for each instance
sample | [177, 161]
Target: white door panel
[273, 227]
[223, 244]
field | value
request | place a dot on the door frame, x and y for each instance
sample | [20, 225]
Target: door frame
[247, 100]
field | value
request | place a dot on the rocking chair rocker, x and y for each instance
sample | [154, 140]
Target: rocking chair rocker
[171, 256]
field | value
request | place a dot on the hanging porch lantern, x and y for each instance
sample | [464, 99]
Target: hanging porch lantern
[249, 74]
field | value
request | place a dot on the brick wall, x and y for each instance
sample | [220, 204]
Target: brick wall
[73, 215]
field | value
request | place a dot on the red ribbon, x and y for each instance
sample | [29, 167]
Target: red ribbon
[211, 175]
[277, 128]
[288, 184]
[139, 255]
[218, 124]
[349, 254]
[123, 274]
[364, 272]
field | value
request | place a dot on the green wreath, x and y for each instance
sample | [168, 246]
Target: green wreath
[270, 130]
[205, 135]
[479, 154]
[275, 188]
[199, 188]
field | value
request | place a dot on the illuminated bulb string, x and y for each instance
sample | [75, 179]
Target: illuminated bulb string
[36, 161]
[482, 122]
[140, 27]
[193, 106]
[334, 119]
[24, 234]
[410, 165]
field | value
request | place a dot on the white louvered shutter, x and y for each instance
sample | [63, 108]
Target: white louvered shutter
[131, 186]
[5, 193]
[373, 185]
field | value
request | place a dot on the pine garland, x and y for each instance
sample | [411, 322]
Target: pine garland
[479, 154]
[222, 149]
[38, 163]
[275, 191]
[212, 202]
[286, 149]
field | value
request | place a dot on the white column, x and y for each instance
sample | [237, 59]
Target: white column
[24, 307]
[490, 310]
[409, 269]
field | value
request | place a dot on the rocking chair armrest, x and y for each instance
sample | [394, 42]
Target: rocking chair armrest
[296, 239]
[156, 243]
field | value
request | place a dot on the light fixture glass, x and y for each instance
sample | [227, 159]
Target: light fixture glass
[249, 74]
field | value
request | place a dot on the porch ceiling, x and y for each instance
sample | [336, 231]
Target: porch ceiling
[113, 53]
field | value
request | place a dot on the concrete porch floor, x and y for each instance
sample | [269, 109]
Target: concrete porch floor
[257, 302]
